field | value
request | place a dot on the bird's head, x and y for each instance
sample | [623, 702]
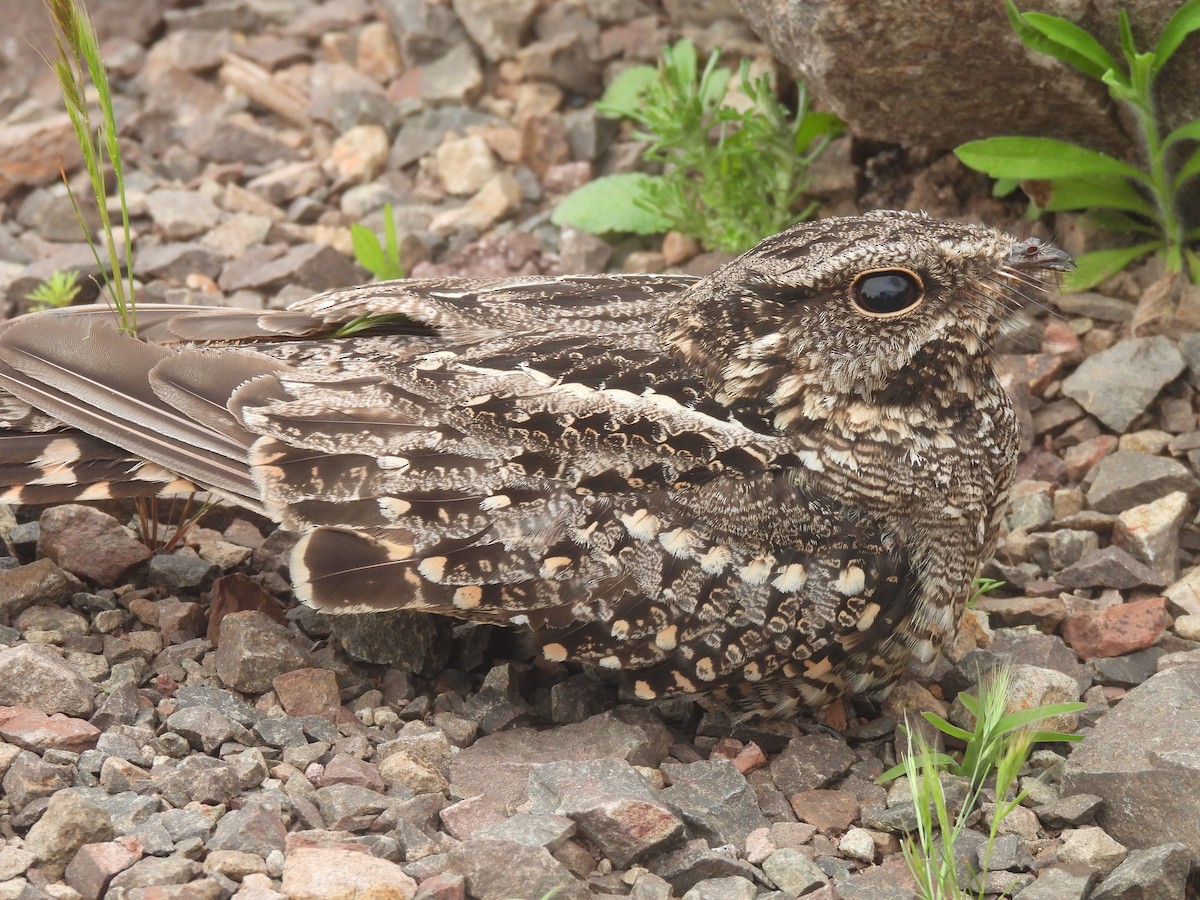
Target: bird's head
[874, 308]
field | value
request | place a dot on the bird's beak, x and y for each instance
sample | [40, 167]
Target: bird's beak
[1034, 254]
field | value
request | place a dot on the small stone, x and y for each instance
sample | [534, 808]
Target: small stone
[829, 811]
[1118, 384]
[1126, 479]
[858, 844]
[1072, 810]
[1108, 567]
[499, 198]
[35, 676]
[734, 887]
[497, 26]
[1090, 846]
[89, 543]
[14, 862]
[234, 864]
[454, 78]
[325, 873]
[811, 762]
[793, 872]
[253, 650]
[32, 729]
[34, 153]
[1150, 533]
[29, 778]
[309, 692]
[180, 571]
[253, 829]
[93, 867]
[69, 822]
[153, 871]
[401, 768]
[1159, 873]
[359, 154]
[41, 582]
[180, 215]
[1116, 630]
[464, 164]
[496, 870]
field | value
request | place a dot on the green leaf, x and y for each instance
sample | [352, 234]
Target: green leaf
[1118, 221]
[1005, 186]
[1040, 158]
[1185, 20]
[817, 125]
[945, 727]
[609, 205]
[367, 249]
[1093, 268]
[1098, 190]
[1188, 131]
[625, 93]
[1075, 46]
[1128, 47]
[1021, 718]
[1189, 169]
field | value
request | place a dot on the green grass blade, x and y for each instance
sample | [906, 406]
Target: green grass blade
[1022, 718]
[946, 727]
[1041, 158]
[1185, 20]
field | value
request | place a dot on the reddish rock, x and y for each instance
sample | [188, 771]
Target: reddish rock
[94, 865]
[347, 769]
[323, 873]
[1060, 340]
[464, 818]
[1117, 630]
[41, 583]
[750, 757]
[1044, 613]
[829, 811]
[33, 730]
[34, 153]
[180, 620]
[90, 544]
[1084, 455]
[238, 593]
[309, 692]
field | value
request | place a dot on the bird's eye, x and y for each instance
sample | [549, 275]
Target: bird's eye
[883, 293]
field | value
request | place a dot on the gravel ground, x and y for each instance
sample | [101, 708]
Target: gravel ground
[173, 725]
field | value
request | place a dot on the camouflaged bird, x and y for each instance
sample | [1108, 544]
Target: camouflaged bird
[773, 485]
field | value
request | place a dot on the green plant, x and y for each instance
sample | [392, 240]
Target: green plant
[77, 61]
[380, 258]
[57, 291]
[1122, 197]
[993, 727]
[730, 177]
[998, 746]
[981, 586]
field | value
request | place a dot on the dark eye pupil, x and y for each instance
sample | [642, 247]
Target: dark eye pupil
[887, 292]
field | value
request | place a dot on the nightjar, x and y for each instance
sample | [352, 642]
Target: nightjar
[772, 485]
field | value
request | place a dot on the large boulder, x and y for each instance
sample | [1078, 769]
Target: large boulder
[944, 73]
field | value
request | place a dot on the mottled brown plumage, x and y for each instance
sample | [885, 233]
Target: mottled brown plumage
[773, 484]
